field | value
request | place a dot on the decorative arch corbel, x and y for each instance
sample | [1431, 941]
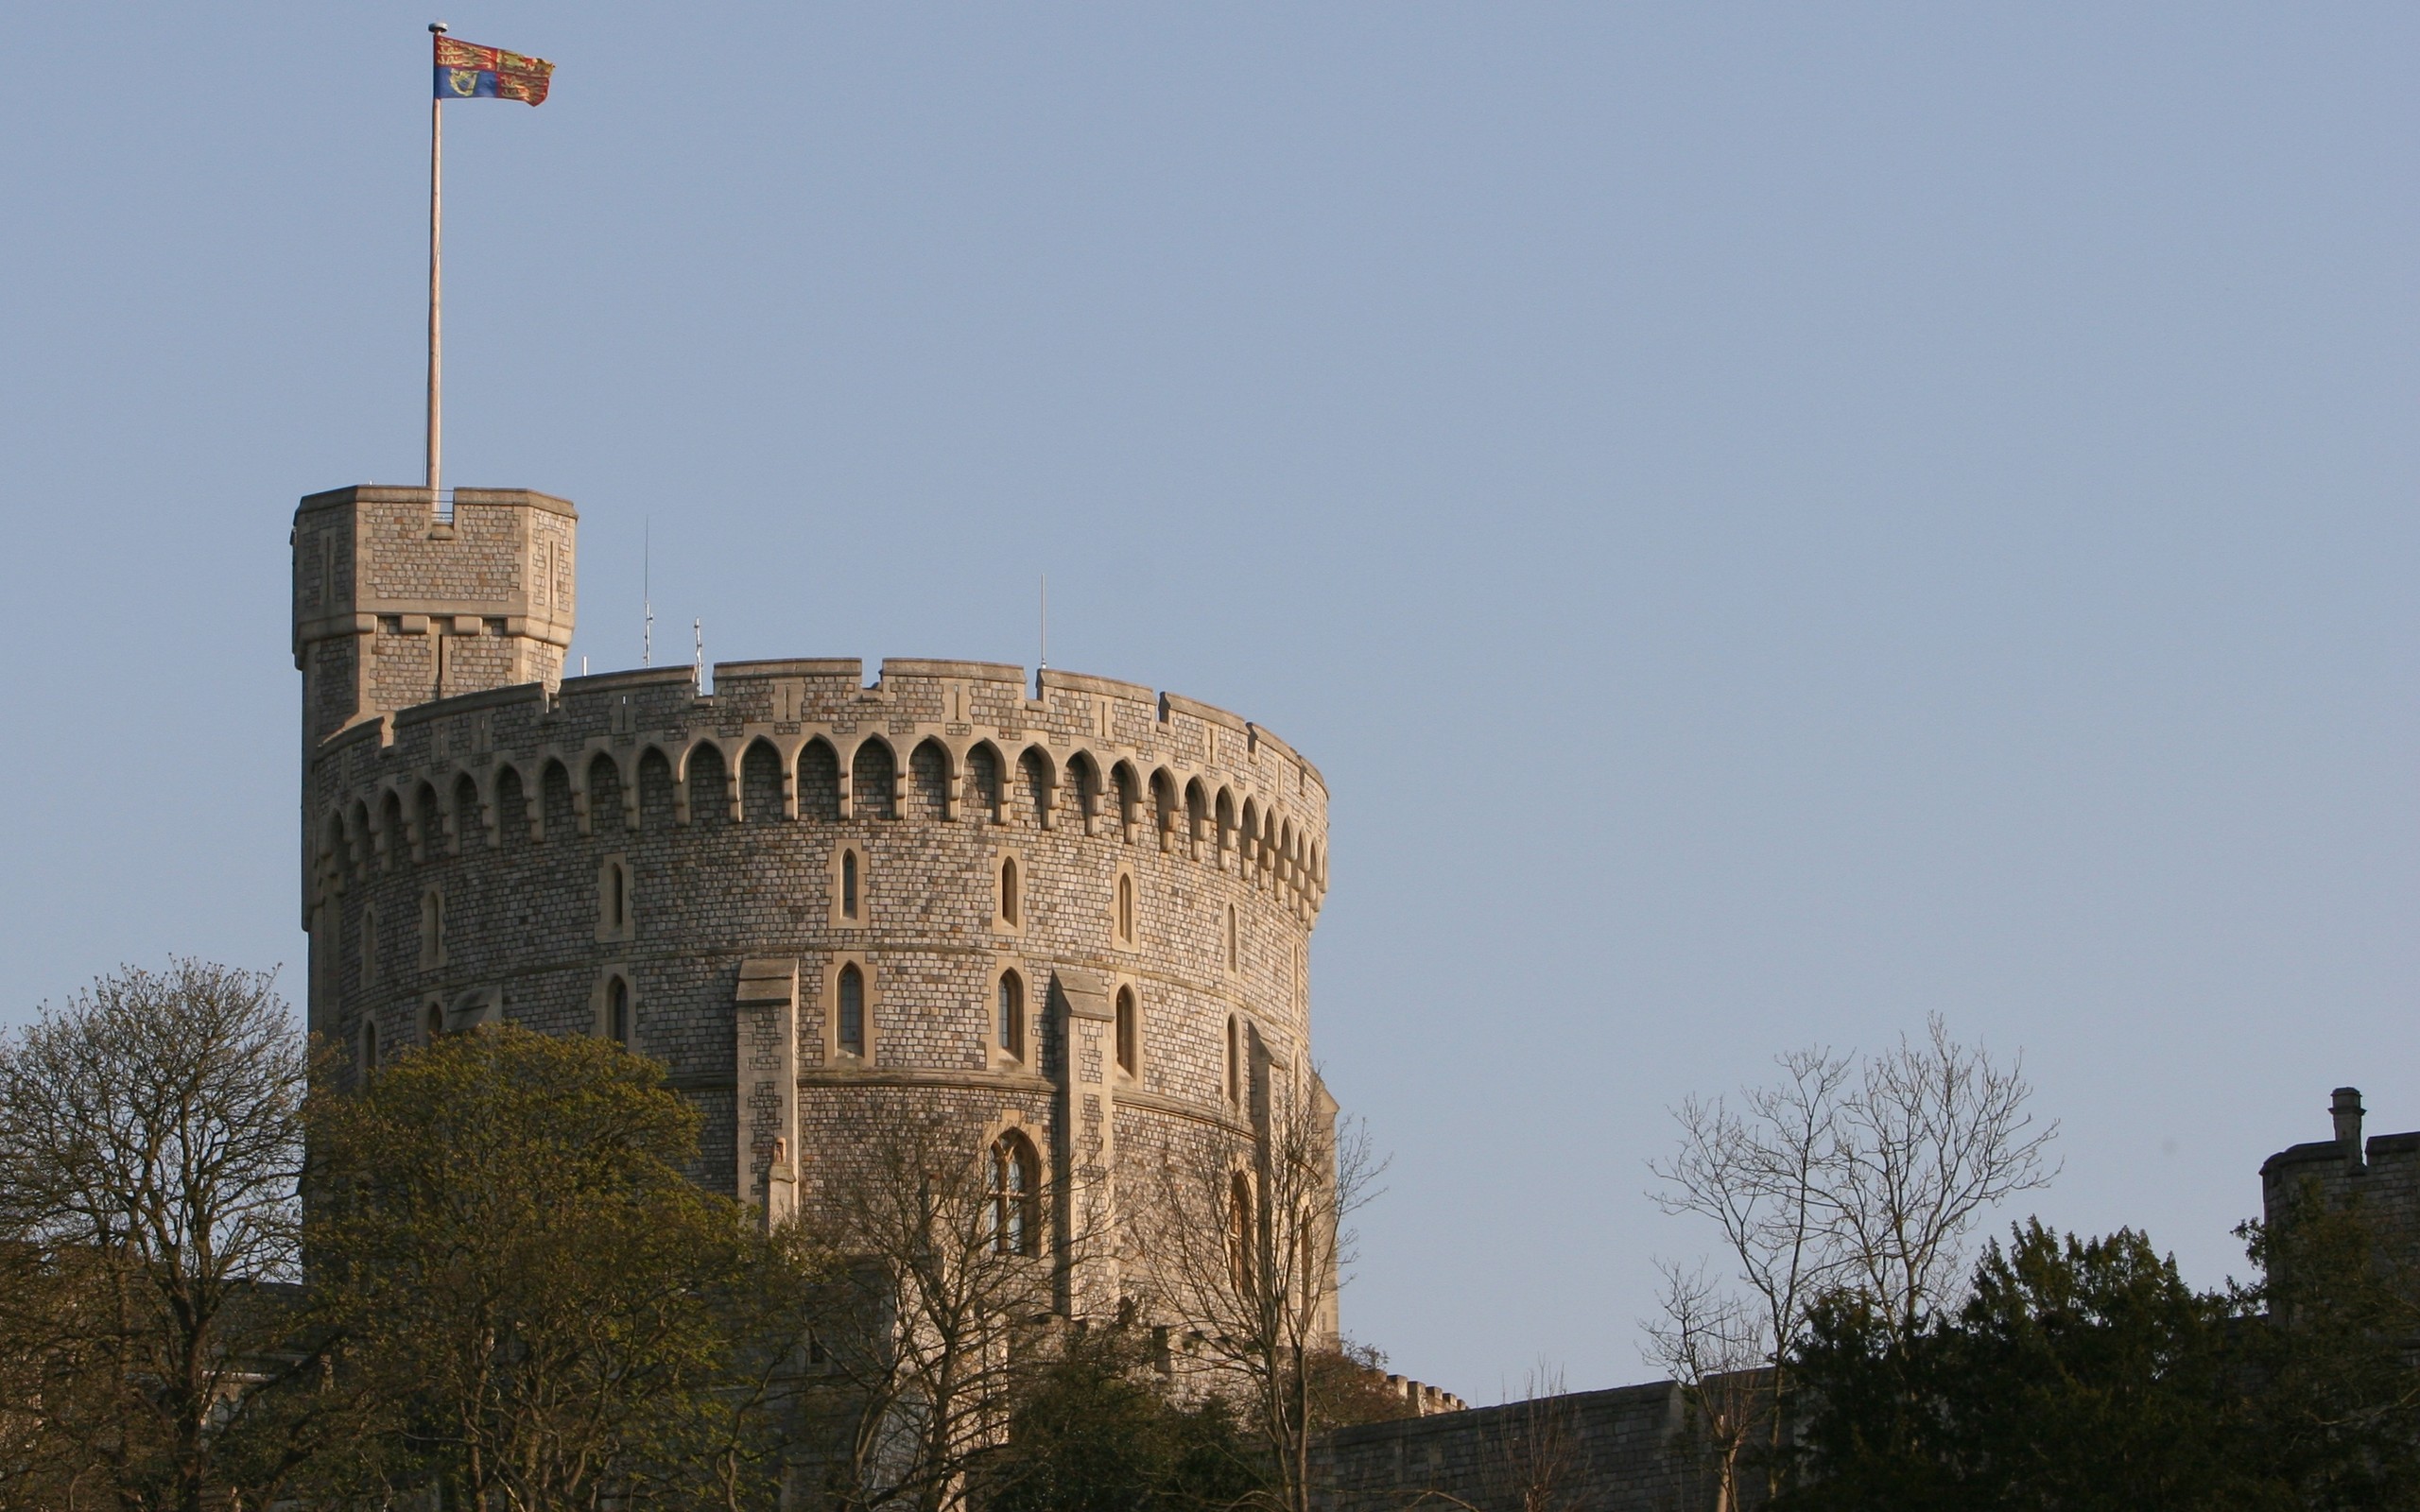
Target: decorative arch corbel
[421, 816]
[1083, 771]
[1126, 784]
[950, 769]
[1163, 807]
[1046, 797]
[982, 756]
[1197, 817]
[548, 762]
[896, 799]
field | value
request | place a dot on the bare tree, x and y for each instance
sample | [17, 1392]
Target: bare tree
[1716, 1347]
[942, 1269]
[1936, 1135]
[1865, 1175]
[1243, 1246]
[1760, 1175]
[1528, 1458]
[1533, 1450]
[150, 1151]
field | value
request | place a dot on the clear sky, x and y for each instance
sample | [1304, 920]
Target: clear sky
[1773, 520]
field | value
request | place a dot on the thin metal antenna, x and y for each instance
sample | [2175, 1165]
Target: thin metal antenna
[647, 592]
[697, 666]
[1046, 621]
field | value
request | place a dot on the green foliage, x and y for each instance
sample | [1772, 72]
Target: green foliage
[1347, 1387]
[1096, 1430]
[2339, 1411]
[538, 1308]
[2085, 1374]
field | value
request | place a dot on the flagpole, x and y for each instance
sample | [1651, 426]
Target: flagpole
[435, 243]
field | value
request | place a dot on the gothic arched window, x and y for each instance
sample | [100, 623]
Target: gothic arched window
[1016, 1196]
[853, 1011]
[848, 885]
[1129, 1033]
[432, 929]
[1241, 1238]
[1125, 910]
[1008, 890]
[1012, 1015]
[618, 1011]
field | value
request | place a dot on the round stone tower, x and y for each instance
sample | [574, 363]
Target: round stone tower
[1073, 906]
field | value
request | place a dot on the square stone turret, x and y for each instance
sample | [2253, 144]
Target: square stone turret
[401, 598]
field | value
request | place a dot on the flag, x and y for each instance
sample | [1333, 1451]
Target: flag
[466, 71]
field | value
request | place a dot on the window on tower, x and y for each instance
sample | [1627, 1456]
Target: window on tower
[1012, 1015]
[1235, 1061]
[1015, 1216]
[1129, 1033]
[851, 1015]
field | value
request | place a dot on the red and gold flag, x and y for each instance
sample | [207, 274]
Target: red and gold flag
[466, 71]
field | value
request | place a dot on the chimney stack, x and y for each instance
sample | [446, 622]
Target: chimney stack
[2347, 1106]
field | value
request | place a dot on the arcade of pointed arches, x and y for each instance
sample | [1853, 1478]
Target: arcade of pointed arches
[1213, 820]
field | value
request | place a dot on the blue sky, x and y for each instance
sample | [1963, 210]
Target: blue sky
[1773, 519]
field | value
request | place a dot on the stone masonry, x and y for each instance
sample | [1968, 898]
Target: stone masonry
[486, 840]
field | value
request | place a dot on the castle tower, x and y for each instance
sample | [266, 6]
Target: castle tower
[400, 598]
[1069, 914]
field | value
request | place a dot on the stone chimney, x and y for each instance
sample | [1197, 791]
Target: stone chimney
[2347, 1106]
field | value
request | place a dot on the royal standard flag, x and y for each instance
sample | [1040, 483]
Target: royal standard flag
[467, 72]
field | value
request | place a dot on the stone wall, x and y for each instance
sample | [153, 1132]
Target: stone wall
[2381, 1177]
[1629, 1450]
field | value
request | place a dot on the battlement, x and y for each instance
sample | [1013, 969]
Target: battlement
[402, 595]
[2379, 1176]
[802, 739]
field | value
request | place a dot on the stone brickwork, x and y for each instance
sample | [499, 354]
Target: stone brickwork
[1633, 1449]
[2379, 1176]
[460, 857]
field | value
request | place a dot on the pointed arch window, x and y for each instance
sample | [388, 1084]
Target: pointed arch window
[614, 899]
[1009, 901]
[1241, 1237]
[618, 1011]
[1125, 909]
[369, 1045]
[852, 994]
[1012, 1015]
[848, 885]
[432, 1022]
[432, 929]
[1129, 1033]
[1015, 1213]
